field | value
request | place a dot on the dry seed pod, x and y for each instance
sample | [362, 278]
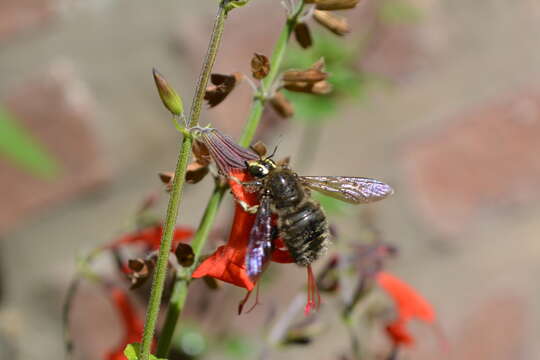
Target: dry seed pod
[184, 254]
[222, 85]
[259, 148]
[303, 35]
[321, 88]
[319, 64]
[195, 172]
[281, 105]
[141, 271]
[336, 24]
[167, 178]
[201, 153]
[260, 66]
[335, 4]
[309, 75]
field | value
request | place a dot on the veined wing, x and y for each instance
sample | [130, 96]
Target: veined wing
[354, 190]
[260, 240]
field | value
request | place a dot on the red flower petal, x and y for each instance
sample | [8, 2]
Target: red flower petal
[228, 262]
[151, 237]
[132, 324]
[409, 305]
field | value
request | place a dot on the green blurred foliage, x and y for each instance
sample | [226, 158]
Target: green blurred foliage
[332, 206]
[341, 63]
[399, 12]
[238, 347]
[23, 150]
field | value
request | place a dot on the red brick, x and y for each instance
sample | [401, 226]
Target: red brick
[56, 109]
[482, 161]
[18, 15]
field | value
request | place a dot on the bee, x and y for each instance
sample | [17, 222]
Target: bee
[301, 222]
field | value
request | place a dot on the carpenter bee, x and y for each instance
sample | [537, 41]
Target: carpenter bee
[301, 222]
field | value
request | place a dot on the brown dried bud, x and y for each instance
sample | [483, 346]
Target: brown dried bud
[211, 282]
[318, 88]
[309, 75]
[141, 271]
[303, 35]
[195, 172]
[259, 148]
[167, 178]
[260, 66]
[281, 105]
[335, 4]
[319, 64]
[322, 88]
[184, 254]
[336, 24]
[226, 154]
[201, 152]
[222, 85]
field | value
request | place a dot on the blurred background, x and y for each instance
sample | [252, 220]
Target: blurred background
[440, 99]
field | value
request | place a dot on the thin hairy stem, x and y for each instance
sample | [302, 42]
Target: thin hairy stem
[180, 289]
[177, 187]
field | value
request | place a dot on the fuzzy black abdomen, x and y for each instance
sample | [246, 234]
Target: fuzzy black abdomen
[305, 231]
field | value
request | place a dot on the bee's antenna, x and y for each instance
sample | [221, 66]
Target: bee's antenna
[272, 154]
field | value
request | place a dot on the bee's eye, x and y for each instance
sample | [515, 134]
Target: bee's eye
[258, 170]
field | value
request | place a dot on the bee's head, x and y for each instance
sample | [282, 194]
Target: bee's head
[260, 168]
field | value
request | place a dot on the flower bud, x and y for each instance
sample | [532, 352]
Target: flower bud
[303, 35]
[336, 24]
[169, 97]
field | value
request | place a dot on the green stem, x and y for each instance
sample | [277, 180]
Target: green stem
[180, 289]
[181, 284]
[177, 187]
[275, 61]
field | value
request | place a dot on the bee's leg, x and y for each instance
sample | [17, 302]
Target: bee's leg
[247, 208]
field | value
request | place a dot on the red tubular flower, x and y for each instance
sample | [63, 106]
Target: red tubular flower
[132, 323]
[150, 237]
[409, 305]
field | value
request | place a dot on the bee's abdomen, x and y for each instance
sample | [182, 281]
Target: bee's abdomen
[305, 231]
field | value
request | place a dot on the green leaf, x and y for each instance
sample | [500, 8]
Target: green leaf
[233, 4]
[23, 150]
[131, 352]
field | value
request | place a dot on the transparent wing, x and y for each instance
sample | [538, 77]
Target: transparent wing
[260, 240]
[354, 190]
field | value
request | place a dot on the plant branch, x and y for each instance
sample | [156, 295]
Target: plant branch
[275, 61]
[180, 289]
[177, 187]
